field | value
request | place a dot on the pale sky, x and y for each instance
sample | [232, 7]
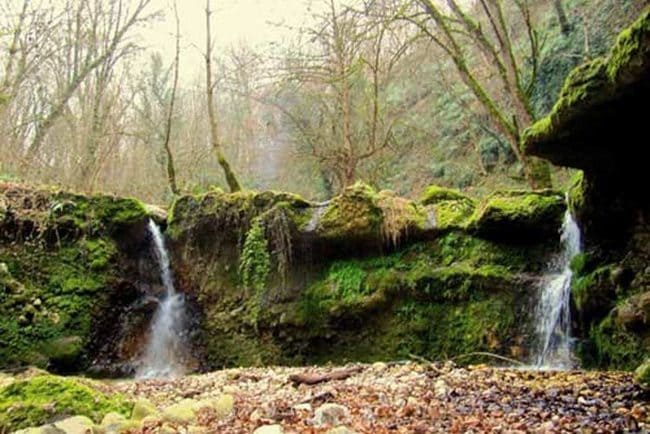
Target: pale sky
[233, 22]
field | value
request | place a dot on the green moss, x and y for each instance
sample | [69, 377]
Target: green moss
[576, 197]
[434, 194]
[611, 347]
[37, 400]
[592, 292]
[50, 294]
[347, 279]
[96, 213]
[453, 213]
[631, 50]
[642, 374]
[354, 214]
[523, 214]
[594, 82]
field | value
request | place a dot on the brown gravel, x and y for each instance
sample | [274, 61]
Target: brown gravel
[414, 398]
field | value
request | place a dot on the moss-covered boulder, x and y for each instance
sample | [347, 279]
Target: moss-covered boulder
[447, 208]
[44, 398]
[519, 215]
[434, 194]
[642, 374]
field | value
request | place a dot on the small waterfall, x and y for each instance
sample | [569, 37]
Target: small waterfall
[318, 212]
[553, 325]
[165, 348]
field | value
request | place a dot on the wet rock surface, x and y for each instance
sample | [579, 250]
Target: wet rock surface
[405, 398]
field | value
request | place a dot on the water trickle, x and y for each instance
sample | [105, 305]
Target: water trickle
[318, 212]
[165, 348]
[553, 325]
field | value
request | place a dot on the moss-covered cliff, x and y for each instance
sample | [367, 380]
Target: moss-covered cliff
[598, 125]
[366, 276]
[68, 264]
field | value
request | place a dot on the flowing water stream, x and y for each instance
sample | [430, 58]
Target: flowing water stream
[553, 312]
[165, 348]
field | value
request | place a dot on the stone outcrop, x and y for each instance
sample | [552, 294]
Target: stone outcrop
[599, 125]
[273, 278]
[71, 266]
[366, 276]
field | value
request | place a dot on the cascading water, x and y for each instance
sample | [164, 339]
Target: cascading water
[553, 311]
[165, 348]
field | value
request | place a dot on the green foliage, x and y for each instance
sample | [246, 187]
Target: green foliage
[348, 279]
[611, 347]
[255, 260]
[42, 398]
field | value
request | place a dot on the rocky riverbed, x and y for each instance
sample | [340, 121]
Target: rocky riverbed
[397, 398]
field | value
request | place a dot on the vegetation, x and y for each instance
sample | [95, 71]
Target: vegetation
[354, 94]
[57, 258]
[35, 401]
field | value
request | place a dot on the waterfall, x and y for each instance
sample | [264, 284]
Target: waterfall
[165, 348]
[553, 325]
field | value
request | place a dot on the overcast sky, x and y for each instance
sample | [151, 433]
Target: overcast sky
[234, 22]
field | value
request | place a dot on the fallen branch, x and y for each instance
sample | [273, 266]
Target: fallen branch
[496, 356]
[419, 358]
[311, 379]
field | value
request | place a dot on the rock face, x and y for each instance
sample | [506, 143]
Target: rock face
[596, 126]
[366, 276]
[69, 267]
[274, 279]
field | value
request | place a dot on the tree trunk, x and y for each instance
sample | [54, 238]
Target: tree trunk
[231, 179]
[171, 171]
[565, 27]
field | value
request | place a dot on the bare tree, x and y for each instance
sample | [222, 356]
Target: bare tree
[231, 179]
[171, 170]
[565, 26]
[338, 105]
[106, 29]
[509, 106]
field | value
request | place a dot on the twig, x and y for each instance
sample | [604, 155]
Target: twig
[419, 358]
[496, 356]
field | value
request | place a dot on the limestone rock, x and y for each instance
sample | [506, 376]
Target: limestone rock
[269, 429]
[143, 408]
[35, 430]
[224, 405]
[330, 414]
[341, 430]
[113, 422]
[184, 412]
[75, 425]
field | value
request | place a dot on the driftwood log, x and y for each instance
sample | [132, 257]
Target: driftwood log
[313, 378]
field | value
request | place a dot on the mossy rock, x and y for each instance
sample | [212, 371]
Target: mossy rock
[352, 215]
[44, 398]
[642, 374]
[598, 106]
[64, 352]
[609, 346]
[519, 216]
[434, 194]
[594, 293]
